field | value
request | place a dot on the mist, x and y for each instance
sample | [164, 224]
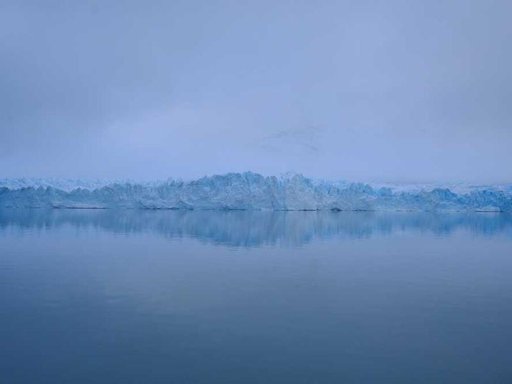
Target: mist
[397, 91]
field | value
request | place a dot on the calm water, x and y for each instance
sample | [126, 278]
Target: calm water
[252, 297]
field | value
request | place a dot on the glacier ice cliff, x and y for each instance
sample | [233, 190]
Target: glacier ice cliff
[251, 191]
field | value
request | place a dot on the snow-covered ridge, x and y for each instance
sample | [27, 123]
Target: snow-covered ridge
[251, 191]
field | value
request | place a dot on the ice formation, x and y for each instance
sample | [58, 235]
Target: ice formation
[251, 191]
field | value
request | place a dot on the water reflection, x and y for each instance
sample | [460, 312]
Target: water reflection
[102, 297]
[256, 228]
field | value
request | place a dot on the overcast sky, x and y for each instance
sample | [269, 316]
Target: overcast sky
[359, 90]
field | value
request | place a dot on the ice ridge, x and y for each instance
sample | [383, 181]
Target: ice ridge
[251, 191]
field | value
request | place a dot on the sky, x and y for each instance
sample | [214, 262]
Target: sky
[395, 91]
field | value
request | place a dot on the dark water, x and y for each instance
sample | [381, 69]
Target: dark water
[253, 297]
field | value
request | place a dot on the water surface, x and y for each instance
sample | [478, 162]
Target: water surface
[106, 296]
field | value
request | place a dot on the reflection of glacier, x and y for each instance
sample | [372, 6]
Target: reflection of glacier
[253, 192]
[255, 228]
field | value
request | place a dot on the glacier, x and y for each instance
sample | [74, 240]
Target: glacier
[252, 191]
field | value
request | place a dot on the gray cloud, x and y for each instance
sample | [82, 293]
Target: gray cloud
[304, 140]
[402, 90]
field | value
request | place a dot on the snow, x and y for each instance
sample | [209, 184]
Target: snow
[252, 191]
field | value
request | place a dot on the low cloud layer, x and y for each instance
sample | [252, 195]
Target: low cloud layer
[394, 91]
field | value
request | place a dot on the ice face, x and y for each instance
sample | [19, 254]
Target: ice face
[252, 191]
